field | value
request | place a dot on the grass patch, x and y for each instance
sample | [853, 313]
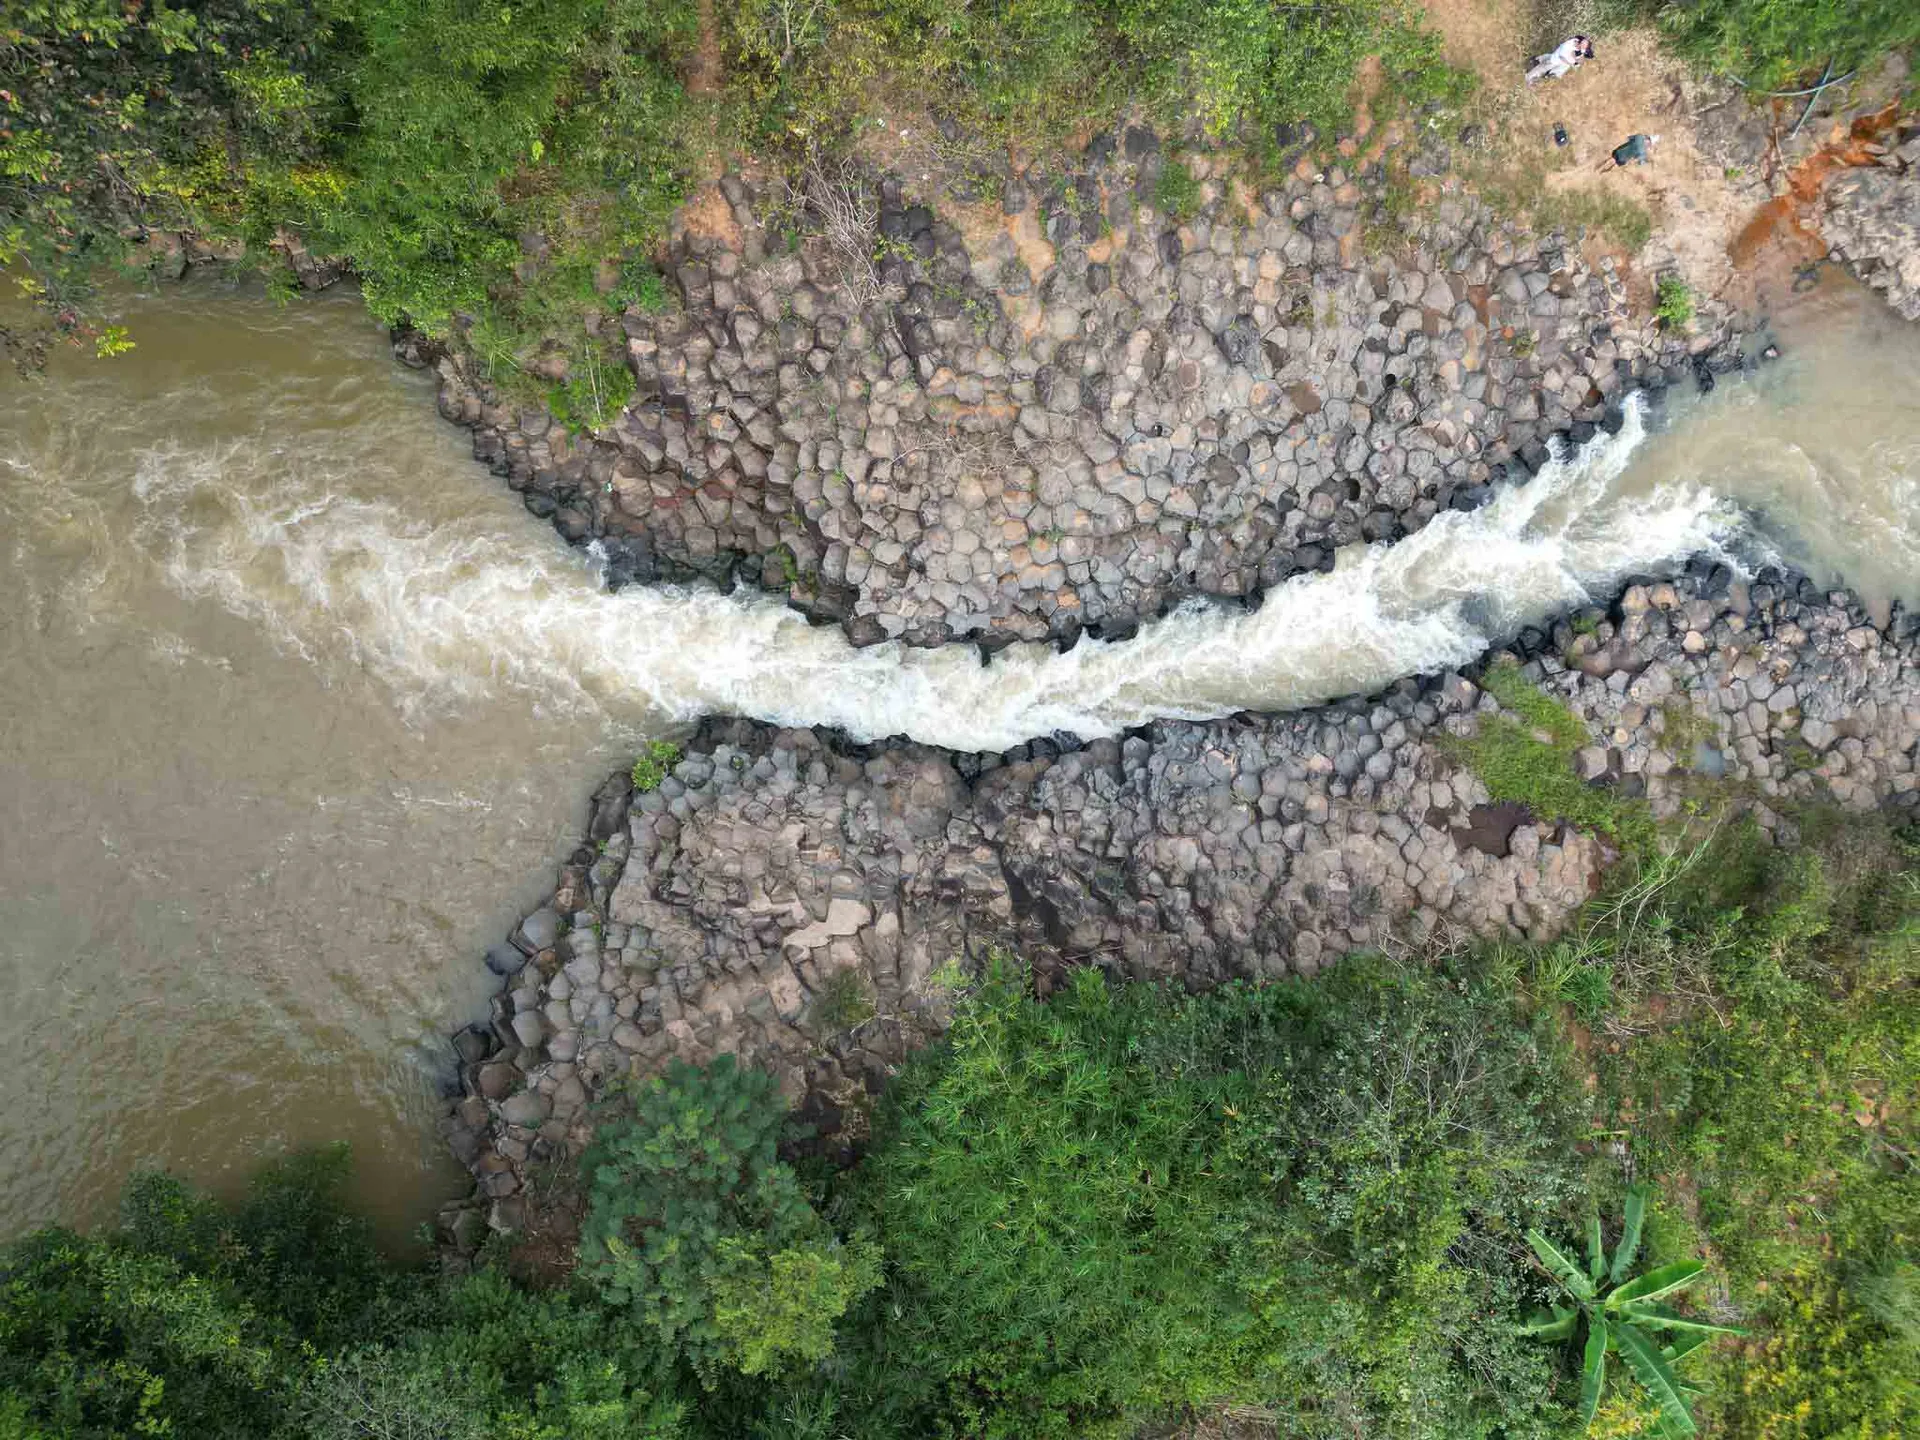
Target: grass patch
[1527, 757]
[1518, 187]
[843, 1002]
[1176, 194]
[1385, 226]
[1684, 729]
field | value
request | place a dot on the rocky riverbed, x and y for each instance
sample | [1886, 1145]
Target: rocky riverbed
[809, 904]
[1067, 409]
[1872, 219]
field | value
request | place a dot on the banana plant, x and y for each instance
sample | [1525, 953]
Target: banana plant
[1616, 1312]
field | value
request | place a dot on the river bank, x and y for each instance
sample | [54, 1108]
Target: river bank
[799, 900]
[997, 401]
[1070, 410]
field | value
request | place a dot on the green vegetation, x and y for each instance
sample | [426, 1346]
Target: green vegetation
[1126, 1200]
[1036, 72]
[842, 1003]
[499, 178]
[653, 764]
[1786, 1090]
[702, 1237]
[1327, 1206]
[1176, 194]
[1527, 756]
[1673, 302]
[498, 170]
[276, 1318]
[1385, 227]
[1777, 44]
[1616, 1312]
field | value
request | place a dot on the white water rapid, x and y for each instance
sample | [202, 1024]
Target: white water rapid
[445, 610]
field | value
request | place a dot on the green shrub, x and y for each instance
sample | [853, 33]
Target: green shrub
[1673, 302]
[698, 1232]
[487, 1359]
[116, 117]
[1776, 44]
[474, 166]
[1127, 1204]
[653, 764]
[593, 398]
[1124, 1200]
[193, 1317]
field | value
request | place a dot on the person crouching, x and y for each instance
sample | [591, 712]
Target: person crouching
[1634, 150]
[1562, 60]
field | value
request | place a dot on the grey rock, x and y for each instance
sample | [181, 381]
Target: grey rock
[528, 1108]
[542, 928]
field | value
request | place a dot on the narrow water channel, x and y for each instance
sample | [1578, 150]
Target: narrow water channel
[299, 703]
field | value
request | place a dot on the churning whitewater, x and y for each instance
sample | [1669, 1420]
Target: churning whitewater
[443, 611]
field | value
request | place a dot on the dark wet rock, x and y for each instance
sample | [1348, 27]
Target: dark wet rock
[540, 929]
[505, 960]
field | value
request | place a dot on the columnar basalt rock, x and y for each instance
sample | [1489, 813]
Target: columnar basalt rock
[713, 913]
[1871, 218]
[1089, 413]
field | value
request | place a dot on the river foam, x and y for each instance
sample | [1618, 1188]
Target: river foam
[445, 610]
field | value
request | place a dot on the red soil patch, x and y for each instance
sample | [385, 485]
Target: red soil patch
[1788, 220]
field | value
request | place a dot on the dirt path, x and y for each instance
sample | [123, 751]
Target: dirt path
[704, 71]
[1629, 88]
[705, 212]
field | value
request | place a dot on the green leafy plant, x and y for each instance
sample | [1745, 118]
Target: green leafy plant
[1673, 302]
[1614, 1311]
[653, 764]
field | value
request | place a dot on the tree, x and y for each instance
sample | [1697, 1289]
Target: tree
[698, 1230]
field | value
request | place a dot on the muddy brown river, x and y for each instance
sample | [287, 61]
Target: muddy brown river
[300, 705]
[243, 879]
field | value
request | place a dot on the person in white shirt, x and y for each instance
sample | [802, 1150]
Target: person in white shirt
[1565, 57]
